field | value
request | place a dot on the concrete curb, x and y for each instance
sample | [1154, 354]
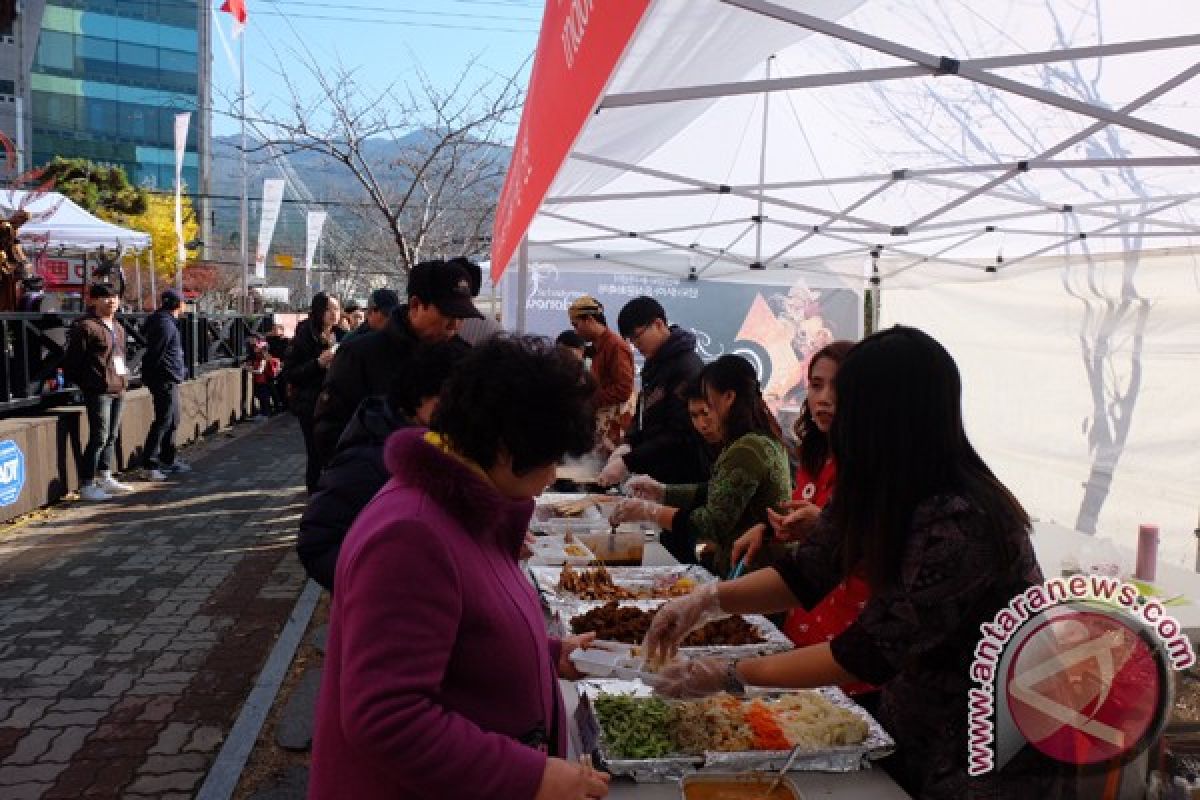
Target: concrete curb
[223, 777]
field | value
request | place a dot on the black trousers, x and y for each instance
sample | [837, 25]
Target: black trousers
[159, 450]
[312, 469]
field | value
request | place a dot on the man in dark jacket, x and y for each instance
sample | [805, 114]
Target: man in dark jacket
[357, 471]
[95, 362]
[662, 442]
[163, 372]
[439, 298]
[379, 310]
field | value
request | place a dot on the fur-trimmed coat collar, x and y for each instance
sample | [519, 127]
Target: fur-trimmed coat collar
[457, 488]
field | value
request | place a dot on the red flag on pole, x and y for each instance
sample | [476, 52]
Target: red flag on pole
[238, 9]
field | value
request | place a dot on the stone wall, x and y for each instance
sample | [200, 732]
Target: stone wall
[53, 441]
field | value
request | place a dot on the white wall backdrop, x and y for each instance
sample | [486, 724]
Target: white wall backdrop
[1081, 386]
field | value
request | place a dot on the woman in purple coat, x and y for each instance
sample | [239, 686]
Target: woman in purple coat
[440, 681]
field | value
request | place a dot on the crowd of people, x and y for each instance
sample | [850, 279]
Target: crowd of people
[872, 530]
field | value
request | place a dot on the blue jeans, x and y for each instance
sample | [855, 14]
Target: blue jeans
[159, 449]
[104, 423]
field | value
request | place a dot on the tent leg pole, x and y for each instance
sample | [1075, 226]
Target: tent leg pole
[137, 284]
[762, 174]
[153, 281]
[522, 283]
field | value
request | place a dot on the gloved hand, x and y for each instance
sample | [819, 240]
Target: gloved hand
[698, 677]
[634, 510]
[679, 617]
[646, 488]
[615, 470]
[748, 544]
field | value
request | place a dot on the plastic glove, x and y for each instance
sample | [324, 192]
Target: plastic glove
[646, 488]
[615, 470]
[634, 510]
[748, 544]
[697, 677]
[679, 617]
[796, 524]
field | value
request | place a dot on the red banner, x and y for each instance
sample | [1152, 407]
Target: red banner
[579, 46]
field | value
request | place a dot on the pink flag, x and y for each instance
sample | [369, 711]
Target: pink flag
[238, 9]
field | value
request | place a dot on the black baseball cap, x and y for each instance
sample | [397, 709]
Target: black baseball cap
[172, 299]
[383, 300]
[98, 290]
[445, 285]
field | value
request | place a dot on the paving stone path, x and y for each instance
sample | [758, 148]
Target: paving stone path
[131, 631]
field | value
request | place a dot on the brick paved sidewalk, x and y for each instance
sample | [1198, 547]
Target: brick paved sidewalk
[131, 631]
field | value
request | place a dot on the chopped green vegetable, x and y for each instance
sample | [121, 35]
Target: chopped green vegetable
[635, 727]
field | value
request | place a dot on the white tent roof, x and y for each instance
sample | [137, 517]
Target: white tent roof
[59, 222]
[799, 134]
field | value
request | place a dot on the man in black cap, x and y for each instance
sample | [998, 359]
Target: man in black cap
[163, 371]
[379, 308]
[476, 330]
[439, 299]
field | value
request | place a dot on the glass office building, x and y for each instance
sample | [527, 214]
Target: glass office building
[108, 78]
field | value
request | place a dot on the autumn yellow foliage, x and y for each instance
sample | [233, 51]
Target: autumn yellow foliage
[159, 221]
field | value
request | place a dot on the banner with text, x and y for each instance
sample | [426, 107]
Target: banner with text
[181, 134]
[316, 223]
[272, 202]
[579, 46]
[777, 327]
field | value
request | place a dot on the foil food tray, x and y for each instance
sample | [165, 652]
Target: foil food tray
[843, 758]
[562, 610]
[546, 578]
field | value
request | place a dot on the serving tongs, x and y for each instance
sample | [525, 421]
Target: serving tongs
[775, 784]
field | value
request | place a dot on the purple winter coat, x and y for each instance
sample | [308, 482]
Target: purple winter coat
[438, 660]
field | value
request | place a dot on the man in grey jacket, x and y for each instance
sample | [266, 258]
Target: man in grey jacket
[163, 370]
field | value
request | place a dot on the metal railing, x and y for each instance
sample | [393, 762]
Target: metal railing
[34, 345]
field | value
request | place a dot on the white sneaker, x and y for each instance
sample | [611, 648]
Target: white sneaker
[179, 467]
[111, 485]
[94, 493]
[153, 474]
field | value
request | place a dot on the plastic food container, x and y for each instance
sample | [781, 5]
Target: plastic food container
[621, 549]
[554, 552]
[736, 786]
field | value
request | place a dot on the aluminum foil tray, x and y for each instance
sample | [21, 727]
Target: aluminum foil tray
[560, 612]
[878, 743]
[546, 578]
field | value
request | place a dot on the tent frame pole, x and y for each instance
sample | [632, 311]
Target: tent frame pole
[797, 82]
[762, 171]
[522, 298]
[962, 69]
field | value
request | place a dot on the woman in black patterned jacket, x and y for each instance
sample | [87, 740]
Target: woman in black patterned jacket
[944, 546]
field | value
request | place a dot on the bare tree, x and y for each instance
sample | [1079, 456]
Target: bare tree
[434, 190]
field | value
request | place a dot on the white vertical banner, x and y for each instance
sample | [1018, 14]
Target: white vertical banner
[272, 201]
[316, 223]
[181, 134]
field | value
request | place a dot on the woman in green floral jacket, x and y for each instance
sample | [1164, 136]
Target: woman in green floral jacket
[751, 474]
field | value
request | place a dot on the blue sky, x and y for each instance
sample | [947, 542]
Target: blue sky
[385, 38]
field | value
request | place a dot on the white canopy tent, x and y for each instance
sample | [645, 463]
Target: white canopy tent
[1021, 174]
[56, 221]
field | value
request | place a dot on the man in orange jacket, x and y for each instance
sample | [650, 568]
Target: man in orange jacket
[612, 368]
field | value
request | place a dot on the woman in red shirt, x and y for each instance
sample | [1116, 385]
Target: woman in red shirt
[813, 489]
